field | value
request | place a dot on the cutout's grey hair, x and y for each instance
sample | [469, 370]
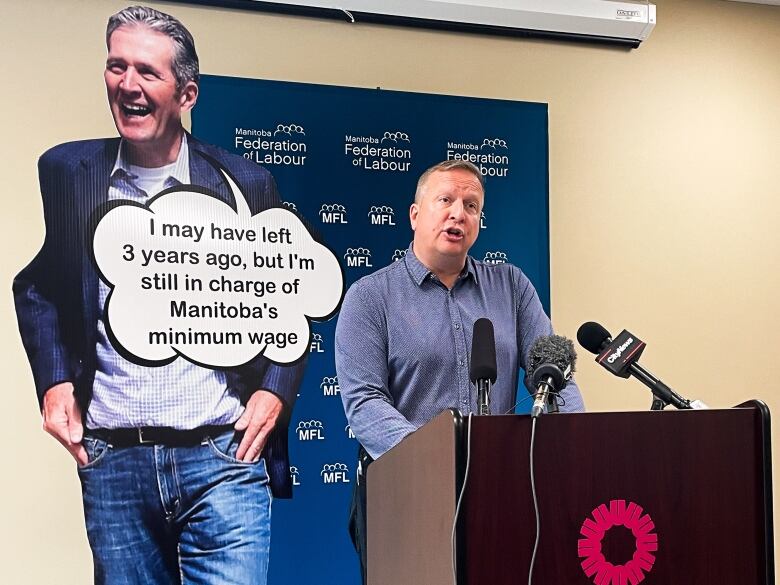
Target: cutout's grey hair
[185, 65]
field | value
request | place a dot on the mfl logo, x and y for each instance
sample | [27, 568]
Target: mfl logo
[396, 136]
[381, 215]
[310, 430]
[330, 386]
[316, 343]
[348, 430]
[493, 143]
[495, 258]
[333, 213]
[289, 129]
[335, 473]
[482, 224]
[399, 255]
[358, 257]
[294, 475]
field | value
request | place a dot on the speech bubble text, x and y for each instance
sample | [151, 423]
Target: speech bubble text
[192, 276]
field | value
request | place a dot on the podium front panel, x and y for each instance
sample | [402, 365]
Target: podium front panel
[689, 485]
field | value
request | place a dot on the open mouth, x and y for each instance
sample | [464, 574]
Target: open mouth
[454, 233]
[135, 110]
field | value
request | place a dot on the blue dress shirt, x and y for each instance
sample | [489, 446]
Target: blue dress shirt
[403, 345]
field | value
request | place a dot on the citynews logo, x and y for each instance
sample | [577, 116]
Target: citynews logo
[316, 343]
[495, 258]
[399, 255]
[290, 205]
[333, 213]
[348, 430]
[614, 356]
[310, 430]
[294, 475]
[625, 349]
[284, 146]
[330, 386]
[358, 257]
[335, 473]
[381, 215]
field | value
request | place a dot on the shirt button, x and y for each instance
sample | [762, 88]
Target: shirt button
[457, 325]
[460, 362]
[465, 401]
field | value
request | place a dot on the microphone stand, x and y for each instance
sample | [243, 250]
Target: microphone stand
[552, 402]
[658, 404]
[483, 396]
[547, 379]
[663, 396]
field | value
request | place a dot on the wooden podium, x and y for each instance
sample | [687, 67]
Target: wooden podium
[674, 497]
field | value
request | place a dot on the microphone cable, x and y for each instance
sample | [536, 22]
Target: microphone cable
[460, 499]
[463, 490]
[533, 496]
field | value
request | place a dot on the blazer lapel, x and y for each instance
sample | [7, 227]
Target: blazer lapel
[91, 192]
[203, 174]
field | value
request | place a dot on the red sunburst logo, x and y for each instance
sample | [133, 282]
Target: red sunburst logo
[593, 529]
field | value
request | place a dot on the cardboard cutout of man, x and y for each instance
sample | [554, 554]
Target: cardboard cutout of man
[176, 462]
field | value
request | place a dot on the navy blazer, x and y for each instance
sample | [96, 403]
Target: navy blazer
[56, 295]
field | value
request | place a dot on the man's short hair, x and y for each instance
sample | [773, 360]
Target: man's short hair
[185, 64]
[447, 165]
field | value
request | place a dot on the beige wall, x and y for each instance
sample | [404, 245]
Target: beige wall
[664, 194]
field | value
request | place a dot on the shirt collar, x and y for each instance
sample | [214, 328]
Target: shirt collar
[181, 170]
[419, 272]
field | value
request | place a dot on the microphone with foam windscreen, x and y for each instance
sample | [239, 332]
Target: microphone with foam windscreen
[482, 370]
[621, 357]
[550, 366]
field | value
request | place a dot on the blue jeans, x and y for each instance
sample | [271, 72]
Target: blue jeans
[176, 515]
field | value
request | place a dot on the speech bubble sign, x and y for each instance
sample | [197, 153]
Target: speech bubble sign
[191, 276]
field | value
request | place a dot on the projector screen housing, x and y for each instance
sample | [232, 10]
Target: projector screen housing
[624, 23]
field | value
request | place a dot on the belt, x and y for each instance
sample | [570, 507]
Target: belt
[157, 435]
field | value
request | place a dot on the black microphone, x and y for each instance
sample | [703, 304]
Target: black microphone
[550, 366]
[482, 370]
[621, 357]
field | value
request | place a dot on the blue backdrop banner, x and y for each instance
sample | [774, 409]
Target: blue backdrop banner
[348, 161]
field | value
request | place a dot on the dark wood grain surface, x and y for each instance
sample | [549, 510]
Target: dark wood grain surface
[697, 474]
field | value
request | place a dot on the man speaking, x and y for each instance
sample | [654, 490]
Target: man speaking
[176, 461]
[403, 337]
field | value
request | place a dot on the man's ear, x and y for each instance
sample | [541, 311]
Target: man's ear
[188, 96]
[413, 211]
